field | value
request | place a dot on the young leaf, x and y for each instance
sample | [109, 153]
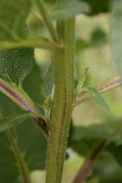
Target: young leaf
[97, 97]
[49, 80]
[69, 9]
[15, 64]
[13, 120]
[81, 75]
[116, 33]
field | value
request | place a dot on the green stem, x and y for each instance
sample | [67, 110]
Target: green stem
[23, 43]
[47, 20]
[101, 88]
[63, 99]
[18, 95]
[22, 166]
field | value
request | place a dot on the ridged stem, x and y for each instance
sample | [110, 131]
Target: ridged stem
[63, 100]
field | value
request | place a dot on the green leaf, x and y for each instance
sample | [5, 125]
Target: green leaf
[98, 37]
[22, 150]
[81, 76]
[116, 33]
[98, 7]
[81, 45]
[32, 144]
[13, 16]
[13, 120]
[116, 151]
[69, 9]
[97, 97]
[49, 80]
[15, 64]
[14, 31]
[107, 170]
[104, 131]
[28, 138]
[33, 84]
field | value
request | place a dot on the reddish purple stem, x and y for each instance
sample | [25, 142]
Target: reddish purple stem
[83, 172]
[25, 105]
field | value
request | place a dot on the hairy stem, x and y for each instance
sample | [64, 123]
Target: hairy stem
[22, 99]
[22, 166]
[84, 170]
[48, 22]
[63, 99]
[101, 88]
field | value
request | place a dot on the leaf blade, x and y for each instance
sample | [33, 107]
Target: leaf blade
[49, 80]
[15, 64]
[69, 9]
[97, 97]
[15, 119]
[29, 139]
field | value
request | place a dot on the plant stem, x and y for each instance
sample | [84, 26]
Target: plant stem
[23, 43]
[22, 99]
[84, 170]
[22, 166]
[101, 88]
[63, 99]
[47, 20]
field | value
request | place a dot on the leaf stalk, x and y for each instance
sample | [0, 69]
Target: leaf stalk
[101, 88]
[19, 96]
[47, 20]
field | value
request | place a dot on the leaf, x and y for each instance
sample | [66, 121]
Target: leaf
[13, 16]
[22, 150]
[81, 75]
[49, 80]
[33, 84]
[107, 169]
[116, 151]
[69, 9]
[81, 147]
[15, 64]
[13, 120]
[116, 33]
[14, 32]
[97, 97]
[31, 143]
[98, 7]
[81, 45]
[98, 37]
[104, 131]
